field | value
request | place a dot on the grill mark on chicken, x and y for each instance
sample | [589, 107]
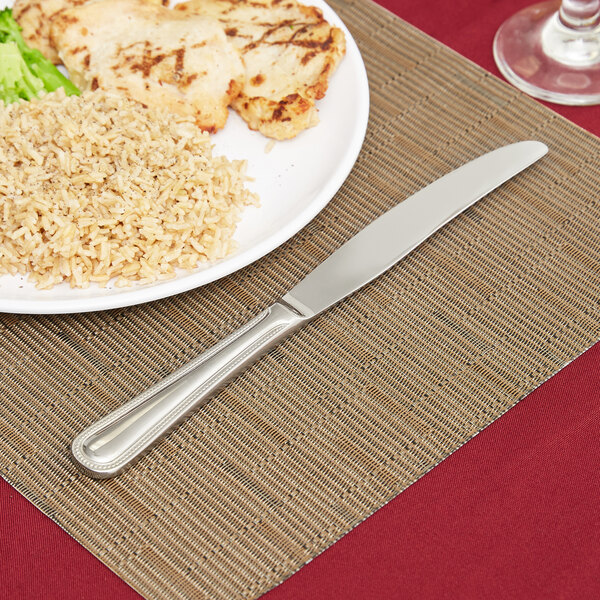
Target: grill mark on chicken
[70, 20]
[179, 55]
[145, 65]
[150, 60]
[27, 8]
[306, 58]
[278, 113]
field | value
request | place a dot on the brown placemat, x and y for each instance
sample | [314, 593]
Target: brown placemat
[362, 402]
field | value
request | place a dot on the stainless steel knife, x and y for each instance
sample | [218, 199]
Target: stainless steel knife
[116, 441]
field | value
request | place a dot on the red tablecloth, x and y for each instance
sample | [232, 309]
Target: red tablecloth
[515, 513]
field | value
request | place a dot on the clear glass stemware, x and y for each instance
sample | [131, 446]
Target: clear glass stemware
[552, 51]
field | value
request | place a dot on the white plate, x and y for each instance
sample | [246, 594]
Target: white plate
[295, 180]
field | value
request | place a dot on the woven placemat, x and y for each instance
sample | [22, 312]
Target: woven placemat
[363, 401]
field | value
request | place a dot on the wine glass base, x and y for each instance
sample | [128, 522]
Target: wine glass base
[540, 56]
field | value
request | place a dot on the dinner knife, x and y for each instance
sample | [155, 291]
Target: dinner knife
[112, 444]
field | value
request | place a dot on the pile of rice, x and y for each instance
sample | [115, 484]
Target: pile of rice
[100, 187]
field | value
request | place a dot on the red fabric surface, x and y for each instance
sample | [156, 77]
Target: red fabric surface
[512, 514]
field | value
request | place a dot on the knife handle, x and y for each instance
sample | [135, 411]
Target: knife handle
[107, 447]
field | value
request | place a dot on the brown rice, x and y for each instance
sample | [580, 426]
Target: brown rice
[98, 186]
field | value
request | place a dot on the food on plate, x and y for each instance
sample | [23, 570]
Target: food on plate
[119, 184]
[289, 52]
[160, 57]
[24, 72]
[270, 60]
[35, 16]
[97, 187]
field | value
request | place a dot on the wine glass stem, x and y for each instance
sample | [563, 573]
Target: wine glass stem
[580, 15]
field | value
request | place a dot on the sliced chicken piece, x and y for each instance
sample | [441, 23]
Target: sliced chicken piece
[35, 17]
[289, 52]
[183, 63]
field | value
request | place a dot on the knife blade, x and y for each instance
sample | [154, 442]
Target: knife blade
[112, 444]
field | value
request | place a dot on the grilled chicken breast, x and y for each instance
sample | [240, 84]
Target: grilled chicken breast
[35, 17]
[184, 63]
[289, 53]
